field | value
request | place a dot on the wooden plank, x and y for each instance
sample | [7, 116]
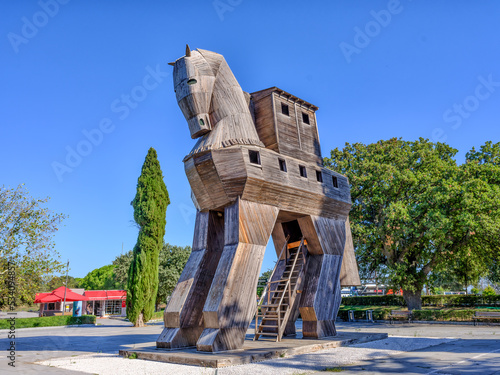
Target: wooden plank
[295, 244]
[278, 238]
[231, 168]
[231, 302]
[349, 274]
[330, 233]
[183, 315]
[321, 297]
[239, 201]
[210, 178]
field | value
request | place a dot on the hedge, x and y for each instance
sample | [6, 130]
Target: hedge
[379, 313]
[454, 300]
[382, 313]
[157, 315]
[48, 321]
[386, 300]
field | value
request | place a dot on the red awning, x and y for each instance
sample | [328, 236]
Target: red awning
[99, 295]
[57, 295]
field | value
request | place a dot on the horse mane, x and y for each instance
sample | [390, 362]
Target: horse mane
[232, 122]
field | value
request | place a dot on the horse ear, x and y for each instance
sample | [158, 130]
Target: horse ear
[188, 51]
[171, 63]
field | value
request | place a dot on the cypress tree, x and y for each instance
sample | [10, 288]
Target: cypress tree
[150, 207]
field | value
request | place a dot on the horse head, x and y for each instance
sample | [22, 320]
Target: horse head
[212, 101]
[193, 84]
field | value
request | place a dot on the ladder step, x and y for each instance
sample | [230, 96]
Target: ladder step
[272, 316]
[268, 326]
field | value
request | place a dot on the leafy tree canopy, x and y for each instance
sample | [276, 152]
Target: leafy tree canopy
[122, 266]
[26, 230]
[57, 281]
[415, 211]
[100, 279]
[172, 262]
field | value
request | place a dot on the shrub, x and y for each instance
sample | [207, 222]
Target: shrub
[474, 291]
[386, 300]
[157, 315]
[455, 300]
[49, 321]
[379, 313]
[443, 315]
[489, 291]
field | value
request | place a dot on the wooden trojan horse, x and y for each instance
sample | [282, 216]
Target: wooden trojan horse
[255, 172]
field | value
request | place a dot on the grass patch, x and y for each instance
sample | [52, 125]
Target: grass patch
[157, 315]
[333, 369]
[132, 356]
[49, 321]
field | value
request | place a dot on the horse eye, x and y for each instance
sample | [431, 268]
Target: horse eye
[192, 81]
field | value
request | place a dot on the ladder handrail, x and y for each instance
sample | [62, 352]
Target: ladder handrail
[289, 289]
[268, 285]
[287, 286]
[289, 277]
[265, 291]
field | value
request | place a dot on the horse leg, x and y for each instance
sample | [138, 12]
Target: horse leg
[230, 304]
[321, 297]
[183, 316]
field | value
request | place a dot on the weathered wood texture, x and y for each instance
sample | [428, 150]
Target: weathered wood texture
[321, 296]
[324, 235]
[213, 102]
[297, 138]
[349, 274]
[255, 169]
[183, 316]
[219, 177]
[230, 304]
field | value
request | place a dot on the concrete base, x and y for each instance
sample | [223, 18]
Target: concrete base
[253, 351]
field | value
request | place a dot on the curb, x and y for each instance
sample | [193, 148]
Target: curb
[423, 322]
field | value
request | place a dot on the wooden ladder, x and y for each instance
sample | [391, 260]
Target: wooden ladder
[278, 297]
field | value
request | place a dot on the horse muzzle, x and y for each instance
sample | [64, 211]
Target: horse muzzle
[199, 125]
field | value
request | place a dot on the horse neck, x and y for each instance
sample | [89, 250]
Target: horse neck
[228, 97]
[231, 121]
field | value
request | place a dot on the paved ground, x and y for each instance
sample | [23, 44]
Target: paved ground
[476, 350]
[19, 314]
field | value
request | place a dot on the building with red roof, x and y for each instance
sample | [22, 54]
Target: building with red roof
[79, 301]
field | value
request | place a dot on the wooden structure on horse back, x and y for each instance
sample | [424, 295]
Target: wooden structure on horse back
[256, 171]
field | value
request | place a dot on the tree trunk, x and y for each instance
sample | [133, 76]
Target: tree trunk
[140, 321]
[413, 299]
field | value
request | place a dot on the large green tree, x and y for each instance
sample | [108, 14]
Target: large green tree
[58, 281]
[172, 262]
[100, 279]
[484, 164]
[415, 211]
[150, 207]
[122, 266]
[27, 227]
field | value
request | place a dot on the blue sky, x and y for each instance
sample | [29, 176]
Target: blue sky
[75, 72]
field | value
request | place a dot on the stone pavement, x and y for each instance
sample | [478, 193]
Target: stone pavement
[476, 350]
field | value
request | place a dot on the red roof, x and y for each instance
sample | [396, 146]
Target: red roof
[57, 295]
[94, 295]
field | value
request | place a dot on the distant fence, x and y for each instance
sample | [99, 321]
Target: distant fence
[454, 300]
